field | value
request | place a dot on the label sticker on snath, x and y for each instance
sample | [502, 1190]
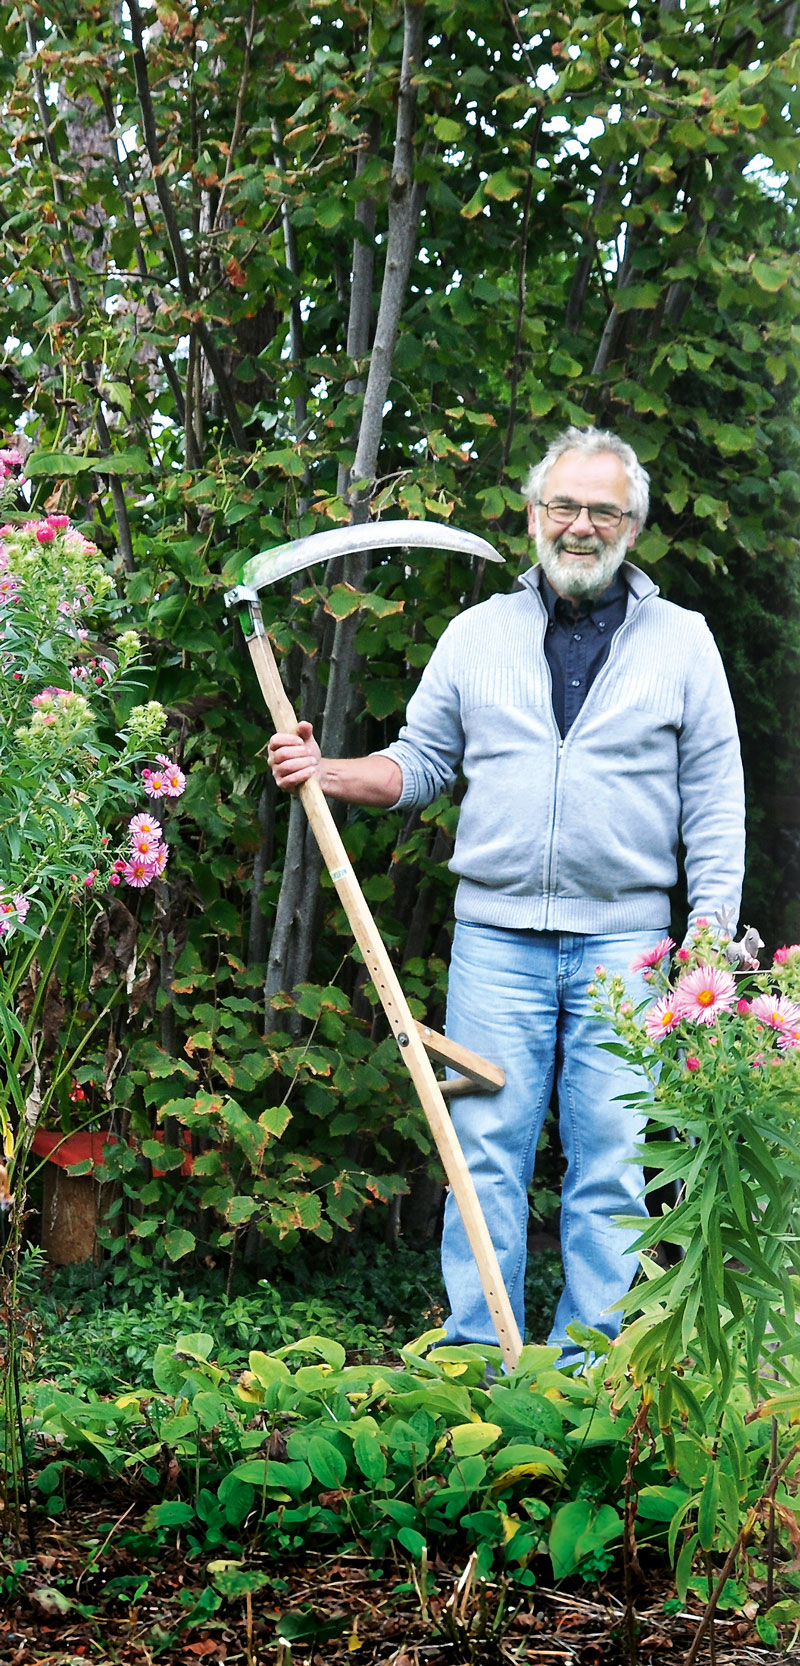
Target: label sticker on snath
[338, 873]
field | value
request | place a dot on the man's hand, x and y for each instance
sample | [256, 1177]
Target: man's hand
[293, 759]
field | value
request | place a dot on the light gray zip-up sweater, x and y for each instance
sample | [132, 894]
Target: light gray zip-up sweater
[581, 835]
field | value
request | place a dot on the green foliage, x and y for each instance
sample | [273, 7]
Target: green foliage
[302, 1448]
[607, 232]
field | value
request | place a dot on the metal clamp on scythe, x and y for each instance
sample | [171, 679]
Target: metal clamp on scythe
[417, 1043]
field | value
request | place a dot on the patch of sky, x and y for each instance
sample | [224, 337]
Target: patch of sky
[761, 169]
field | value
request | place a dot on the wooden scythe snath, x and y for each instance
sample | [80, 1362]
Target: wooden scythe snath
[416, 1042]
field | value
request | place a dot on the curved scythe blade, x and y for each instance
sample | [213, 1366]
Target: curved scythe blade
[273, 564]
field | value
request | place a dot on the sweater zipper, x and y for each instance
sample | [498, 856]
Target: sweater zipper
[562, 740]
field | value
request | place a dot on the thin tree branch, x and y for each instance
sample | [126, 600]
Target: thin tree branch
[238, 119]
[405, 205]
[176, 245]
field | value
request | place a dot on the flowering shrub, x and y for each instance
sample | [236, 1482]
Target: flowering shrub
[720, 1050]
[66, 772]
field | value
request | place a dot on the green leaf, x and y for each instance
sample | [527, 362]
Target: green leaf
[562, 364]
[369, 1455]
[708, 1509]
[234, 1580]
[173, 1512]
[641, 297]
[178, 1242]
[57, 463]
[503, 185]
[469, 1438]
[770, 278]
[414, 1542]
[328, 212]
[326, 1462]
[268, 1473]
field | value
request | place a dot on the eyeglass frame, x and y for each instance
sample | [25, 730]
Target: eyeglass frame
[621, 514]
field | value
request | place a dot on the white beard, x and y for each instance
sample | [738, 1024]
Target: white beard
[579, 580]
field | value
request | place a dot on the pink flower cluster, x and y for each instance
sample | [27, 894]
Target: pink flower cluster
[165, 781]
[46, 531]
[17, 906]
[148, 853]
[10, 459]
[698, 996]
[97, 671]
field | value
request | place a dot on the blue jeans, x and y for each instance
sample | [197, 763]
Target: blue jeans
[519, 999]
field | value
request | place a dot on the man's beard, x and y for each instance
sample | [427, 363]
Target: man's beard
[579, 580]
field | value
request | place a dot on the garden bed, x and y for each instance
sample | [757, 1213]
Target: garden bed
[92, 1592]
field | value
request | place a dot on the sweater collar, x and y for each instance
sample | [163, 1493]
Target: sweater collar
[639, 585]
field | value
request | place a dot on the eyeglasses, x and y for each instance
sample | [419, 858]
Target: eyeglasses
[603, 516]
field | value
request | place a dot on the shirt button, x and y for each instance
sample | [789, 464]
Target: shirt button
[576, 682]
[577, 637]
[601, 624]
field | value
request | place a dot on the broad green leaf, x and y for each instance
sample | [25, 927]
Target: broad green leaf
[326, 1462]
[503, 185]
[771, 278]
[178, 1242]
[173, 1512]
[468, 1438]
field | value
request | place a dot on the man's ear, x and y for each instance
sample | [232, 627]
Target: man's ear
[532, 519]
[636, 528]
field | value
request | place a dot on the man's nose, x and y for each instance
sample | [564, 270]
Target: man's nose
[582, 522]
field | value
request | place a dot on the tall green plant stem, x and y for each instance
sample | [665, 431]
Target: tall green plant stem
[745, 1534]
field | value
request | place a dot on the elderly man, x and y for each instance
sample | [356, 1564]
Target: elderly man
[594, 726]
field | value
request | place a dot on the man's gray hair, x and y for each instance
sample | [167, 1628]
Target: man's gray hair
[589, 440]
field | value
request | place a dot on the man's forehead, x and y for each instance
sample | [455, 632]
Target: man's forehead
[601, 473]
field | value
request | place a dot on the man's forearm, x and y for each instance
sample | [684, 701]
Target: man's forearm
[374, 780]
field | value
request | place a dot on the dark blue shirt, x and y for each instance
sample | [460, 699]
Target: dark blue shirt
[576, 645]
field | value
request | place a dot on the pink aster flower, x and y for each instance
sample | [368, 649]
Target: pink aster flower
[144, 846]
[58, 521]
[662, 1017]
[175, 781]
[781, 956]
[776, 1011]
[651, 957]
[145, 823]
[155, 784]
[703, 993]
[742, 1006]
[113, 879]
[692, 1062]
[160, 858]
[21, 905]
[789, 1038]
[683, 954]
[138, 872]
[11, 457]
[45, 533]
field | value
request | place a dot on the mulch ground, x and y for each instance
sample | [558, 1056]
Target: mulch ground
[89, 1594]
